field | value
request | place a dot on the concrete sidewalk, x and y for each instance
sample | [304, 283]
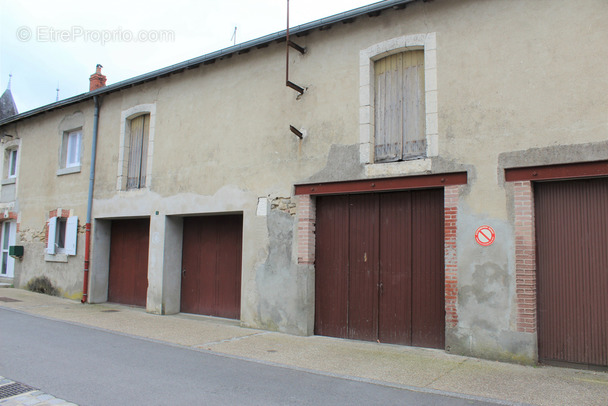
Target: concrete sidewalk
[413, 368]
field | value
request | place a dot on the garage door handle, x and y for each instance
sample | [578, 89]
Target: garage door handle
[381, 286]
[183, 272]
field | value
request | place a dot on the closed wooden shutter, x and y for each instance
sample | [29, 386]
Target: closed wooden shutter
[71, 235]
[50, 246]
[399, 107]
[138, 151]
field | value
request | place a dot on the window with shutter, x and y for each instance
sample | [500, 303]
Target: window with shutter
[139, 128]
[400, 107]
[62, 236]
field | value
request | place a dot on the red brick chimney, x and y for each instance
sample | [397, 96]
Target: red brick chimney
[97, 80]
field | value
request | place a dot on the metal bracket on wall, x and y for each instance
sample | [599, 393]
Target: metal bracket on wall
[297, 47]
[297, 132]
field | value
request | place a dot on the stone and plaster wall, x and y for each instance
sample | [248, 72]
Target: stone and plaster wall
[509, 90]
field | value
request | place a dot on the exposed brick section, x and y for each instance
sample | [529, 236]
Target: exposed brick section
[63, 213]
[451, 259]
[306, 229]
[525, 257]
[97, 80]
[11, 215]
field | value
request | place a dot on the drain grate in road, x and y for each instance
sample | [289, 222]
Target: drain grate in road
[110, 311]
[8, 299]
[14, 389]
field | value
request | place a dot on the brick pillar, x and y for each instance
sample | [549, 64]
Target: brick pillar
[97, 79]
[450, 196]
[306, 229]
[525, 257]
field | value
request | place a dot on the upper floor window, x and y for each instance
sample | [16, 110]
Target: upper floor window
[139, 134]
[71, 149]
[70, 140]
[136, 147]
[399, 107]
[11, 155]
[12, 163]
[398, 114]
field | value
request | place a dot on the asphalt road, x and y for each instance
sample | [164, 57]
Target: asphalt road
[89, 366]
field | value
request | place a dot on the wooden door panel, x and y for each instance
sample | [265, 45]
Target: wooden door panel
[428, 280]
[363, 267]
[331, 266]
[128, 277]
[211, 265]
[395, 307]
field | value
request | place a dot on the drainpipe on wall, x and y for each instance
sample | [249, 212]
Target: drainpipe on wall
[87, 246]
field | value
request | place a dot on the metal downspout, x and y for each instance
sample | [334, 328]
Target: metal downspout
[87, 247]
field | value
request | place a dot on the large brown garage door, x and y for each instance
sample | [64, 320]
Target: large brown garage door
[128, 280]
[572, 260]
[211, 263]
[380, 267]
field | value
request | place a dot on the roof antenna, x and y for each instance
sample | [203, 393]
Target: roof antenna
[57, 97]
[233, 38]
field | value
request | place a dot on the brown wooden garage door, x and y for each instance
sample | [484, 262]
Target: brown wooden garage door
[211, 265]
[380, 267]
[128, 279]
[572, 260]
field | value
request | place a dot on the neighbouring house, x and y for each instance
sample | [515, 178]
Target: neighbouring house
[431, 174]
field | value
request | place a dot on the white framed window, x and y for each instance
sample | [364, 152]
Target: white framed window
[73, 141]
[71, 152]
[7, 238]
[62, 236]
[12, 163]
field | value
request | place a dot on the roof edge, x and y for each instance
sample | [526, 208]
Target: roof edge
[194, 62]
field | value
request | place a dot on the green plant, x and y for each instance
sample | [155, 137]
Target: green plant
[42, 284]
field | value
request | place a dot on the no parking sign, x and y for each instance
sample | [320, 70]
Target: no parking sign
[485, 236]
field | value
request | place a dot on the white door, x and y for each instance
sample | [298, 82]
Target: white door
[8, 239]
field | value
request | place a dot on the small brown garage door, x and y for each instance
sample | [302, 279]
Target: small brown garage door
[572, 260]
[128, 280]
[211, 265]
[380, 268]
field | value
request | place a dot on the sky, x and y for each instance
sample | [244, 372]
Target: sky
[49, 45]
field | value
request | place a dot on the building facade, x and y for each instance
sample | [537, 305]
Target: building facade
[434, 174]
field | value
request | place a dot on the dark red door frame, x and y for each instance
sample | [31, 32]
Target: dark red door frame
[382, 184]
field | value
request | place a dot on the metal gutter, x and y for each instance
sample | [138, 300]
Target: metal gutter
[195, 62]
[87, 247]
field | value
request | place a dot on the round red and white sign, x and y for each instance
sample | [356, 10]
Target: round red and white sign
[485, 235]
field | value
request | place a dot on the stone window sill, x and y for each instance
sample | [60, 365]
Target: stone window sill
[67, 171]
[56, 257]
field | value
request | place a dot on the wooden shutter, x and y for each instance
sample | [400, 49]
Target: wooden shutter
[138, 151]
[399, 107]
[50, 245]
[71, 235]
